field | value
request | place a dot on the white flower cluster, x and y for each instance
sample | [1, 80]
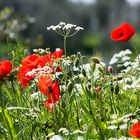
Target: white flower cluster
[64, 29]
[121, 138]
[130, 83]
[41, 51]
[121, 56]
[122, 120]
[38, 71]
[66, 132]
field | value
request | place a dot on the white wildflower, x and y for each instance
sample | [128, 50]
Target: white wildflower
[79, 28]
[31, 73]
[123, 126]
[62, 23]
[113, 60]
[78, 132]
[125, 58]
[56, 137]
[114, 116]
[64, 131]
[127, 63]
[121, 138]
[68, 26]
[64, 29]
[34, 95]
[80, 138]
[126, 120]
[112, 127]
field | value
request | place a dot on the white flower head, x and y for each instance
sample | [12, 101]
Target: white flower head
[80, 138]
[123, 126]
[56, 137]
[79, 28]
[112, 127]
[64, 29]
[69, 26]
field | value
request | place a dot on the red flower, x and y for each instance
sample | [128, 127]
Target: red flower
[23, 78]
[135, 130]
[52, 57]
[49, 88]
[49, 104]
[28, 64]
[33, 61]
[123, 33]
[5, 68]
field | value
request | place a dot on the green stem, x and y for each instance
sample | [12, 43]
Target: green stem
[9, 125]
[65, 41]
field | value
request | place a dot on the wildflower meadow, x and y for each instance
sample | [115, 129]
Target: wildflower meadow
[50, 95]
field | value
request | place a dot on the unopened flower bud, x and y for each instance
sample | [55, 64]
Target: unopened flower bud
[83, 72]
[117, 89]
[111, 87]
[70, 87]
[79, 55]
[93, 66]
[95, 60]
[110, 69]
[98, 89]
[76, 62]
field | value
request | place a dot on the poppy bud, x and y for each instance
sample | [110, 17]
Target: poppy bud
[117, 89]
[84, 72]
[110, 69]
[70, 87]
[76, 62]
[93, 66]
[95, 60]
[79, 55]
[98, 89]
[111, 87]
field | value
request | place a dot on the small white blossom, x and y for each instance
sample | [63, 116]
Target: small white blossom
[56, 137]
[64, 131]
[78, 132]
[79, 28]
[112, 127]
[68, 26]
[80, 138]
[124, 126]
[114, 116]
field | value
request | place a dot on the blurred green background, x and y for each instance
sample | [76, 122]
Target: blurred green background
[26, 21]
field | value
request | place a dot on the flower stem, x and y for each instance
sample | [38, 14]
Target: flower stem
[65, 41]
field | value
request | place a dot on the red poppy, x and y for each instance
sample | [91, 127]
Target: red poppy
[135, 130]
[123, 33]
[23, 78]
[52, 57]
[49, 104]
[33, 61]
[5, 68]
[49, 88]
